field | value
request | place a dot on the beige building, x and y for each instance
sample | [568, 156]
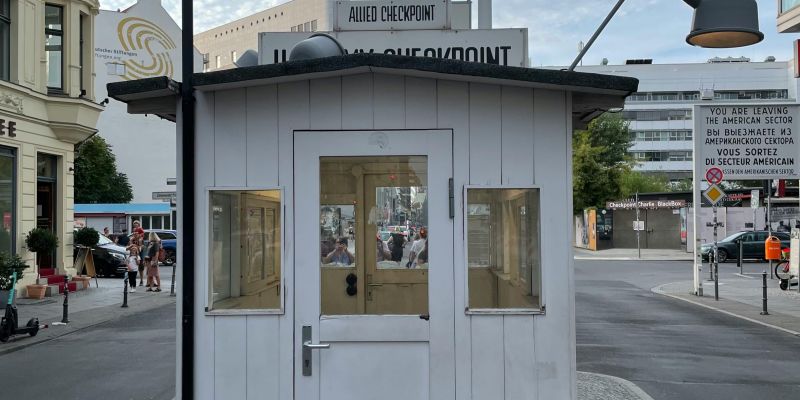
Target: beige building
[46, 107]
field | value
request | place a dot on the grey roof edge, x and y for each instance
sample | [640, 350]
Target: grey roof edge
[433, 65]
[574, 80]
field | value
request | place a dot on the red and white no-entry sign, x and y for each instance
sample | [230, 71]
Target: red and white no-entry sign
[714, 175]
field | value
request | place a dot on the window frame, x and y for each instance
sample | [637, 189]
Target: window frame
[60, 33]
[206, 253]
[5, 45]
[464, 233]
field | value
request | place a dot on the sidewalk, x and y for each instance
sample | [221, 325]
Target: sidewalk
[87, 308]
[632, 254]
[604, 387]
[741, 296]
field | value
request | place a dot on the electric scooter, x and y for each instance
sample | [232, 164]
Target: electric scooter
[8, 324]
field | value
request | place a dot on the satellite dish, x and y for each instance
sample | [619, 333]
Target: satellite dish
[319, 45]
[248, 59]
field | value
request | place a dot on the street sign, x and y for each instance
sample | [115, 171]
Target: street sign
[490, 46]
[714, 194]
[638, 225]
[165, 196]
[748, 141]
[390, 15]
[714, 175]
[754, 199]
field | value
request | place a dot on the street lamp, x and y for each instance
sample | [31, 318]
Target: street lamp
[724, 23]
[716, 24]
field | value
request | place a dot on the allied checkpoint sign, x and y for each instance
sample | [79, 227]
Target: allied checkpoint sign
[747, 141]
[507, 47]
[391, 15]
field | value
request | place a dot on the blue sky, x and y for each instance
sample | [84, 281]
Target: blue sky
[654, 29]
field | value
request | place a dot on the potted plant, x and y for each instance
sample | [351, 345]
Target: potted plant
[41, 241]
[8, 265]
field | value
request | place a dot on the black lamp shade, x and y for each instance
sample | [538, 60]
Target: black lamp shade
[724, 23]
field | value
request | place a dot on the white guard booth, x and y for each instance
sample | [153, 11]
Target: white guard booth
[381, 227]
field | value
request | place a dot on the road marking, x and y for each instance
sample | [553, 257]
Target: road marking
[745, 276]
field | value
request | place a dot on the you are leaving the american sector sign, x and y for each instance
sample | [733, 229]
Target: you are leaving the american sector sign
[747, 141]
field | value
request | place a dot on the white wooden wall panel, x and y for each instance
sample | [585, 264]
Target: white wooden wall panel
[230, 137]
[263, 348]
[484, 134]
[453, 113]
[517, 137]
[555, 351]
[357, 111]
[262, 136]
[293, 114]
[326, 103]
[230, 348]
[520, 361]
[204, 178]
[420, 103]
[390, 105]
[488, 350]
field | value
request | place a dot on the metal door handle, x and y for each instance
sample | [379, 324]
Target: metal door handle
[313, 346]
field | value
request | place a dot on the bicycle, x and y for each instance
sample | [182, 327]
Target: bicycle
[783, 270]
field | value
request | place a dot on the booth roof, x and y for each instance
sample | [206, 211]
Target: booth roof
[129, 209]
[611, 89]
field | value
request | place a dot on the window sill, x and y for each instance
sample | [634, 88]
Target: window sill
[509, 311]
[222, 313]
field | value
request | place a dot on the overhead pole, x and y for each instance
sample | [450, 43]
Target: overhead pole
[595, 35]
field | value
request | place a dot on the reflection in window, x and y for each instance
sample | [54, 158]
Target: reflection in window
[373, 245]
[54, 36]
[503, 248]
[7, 199]
[245, 254]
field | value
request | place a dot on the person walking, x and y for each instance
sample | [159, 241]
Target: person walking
[133, 265]
[151, 263]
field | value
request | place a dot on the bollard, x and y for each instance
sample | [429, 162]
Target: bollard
[172, 286]
[65, 316]
[764, 294]
[716, 281]
[741, 255]
[125, 292]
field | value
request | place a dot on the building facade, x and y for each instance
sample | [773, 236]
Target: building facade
[660, 113]
[47, 107]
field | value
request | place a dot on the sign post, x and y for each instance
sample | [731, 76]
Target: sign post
[714, 194]
[742, 142]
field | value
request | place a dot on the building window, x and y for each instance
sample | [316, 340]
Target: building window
[8, 199]
[218, 61]
[294, 29]
[205, 61]
[233, 56]
[314, 26]
[307, 27]
[245, 250]
[5, 40]
[503, 249]
[54, 46]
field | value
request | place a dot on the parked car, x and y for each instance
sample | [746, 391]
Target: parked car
[169, 241]
[752, 245]
[109, 258]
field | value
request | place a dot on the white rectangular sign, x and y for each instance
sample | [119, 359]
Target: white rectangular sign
[391, 15]
[755, 199]
[748, 141]
[638, 225]
[794, 253]
[491, 46]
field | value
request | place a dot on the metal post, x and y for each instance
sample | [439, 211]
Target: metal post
[769, 225]
[125, 292]
[595, 35]
[741, 255]
[715, 250]
[65, 316]
[172, 286]
[638, 231]
[764, 293]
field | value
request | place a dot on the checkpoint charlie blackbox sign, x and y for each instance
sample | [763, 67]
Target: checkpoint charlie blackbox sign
[508, 47]
[747, 141]
[391, 15]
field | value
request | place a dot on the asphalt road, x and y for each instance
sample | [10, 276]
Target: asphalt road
[672, 349]
[130, 358]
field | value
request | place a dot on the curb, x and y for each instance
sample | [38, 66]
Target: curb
[636, 390]
[658, 290]
[589, 258]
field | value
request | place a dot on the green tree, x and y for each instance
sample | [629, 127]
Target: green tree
[632, 182]
[599, 160]
[96, 176]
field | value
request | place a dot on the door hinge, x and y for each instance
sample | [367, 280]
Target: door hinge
[452, 199]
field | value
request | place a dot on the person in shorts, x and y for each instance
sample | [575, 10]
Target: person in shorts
[133, 266]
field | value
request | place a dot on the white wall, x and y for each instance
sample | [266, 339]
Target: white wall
[245, 138]
[143, 145]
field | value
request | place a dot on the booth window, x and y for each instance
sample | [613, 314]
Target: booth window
[503, 249]
[245, 250]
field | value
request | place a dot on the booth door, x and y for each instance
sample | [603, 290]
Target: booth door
[373, 265]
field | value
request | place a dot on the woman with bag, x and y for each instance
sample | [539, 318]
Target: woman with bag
[151, 262]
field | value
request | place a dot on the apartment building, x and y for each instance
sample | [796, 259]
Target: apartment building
[47, 107]
[660, 113]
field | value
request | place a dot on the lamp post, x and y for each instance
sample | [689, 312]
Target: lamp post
[716, 24]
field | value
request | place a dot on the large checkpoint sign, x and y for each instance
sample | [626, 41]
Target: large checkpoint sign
[747, 141]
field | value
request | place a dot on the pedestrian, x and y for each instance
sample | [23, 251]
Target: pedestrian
[341, 255]
[133, 265]
[123, 239]
[106, 232]
[396, 243]
[417, 247]
[151, 263]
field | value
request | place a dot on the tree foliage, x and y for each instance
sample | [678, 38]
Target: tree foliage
[599, 161]
[96, 176]
[632, 182]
